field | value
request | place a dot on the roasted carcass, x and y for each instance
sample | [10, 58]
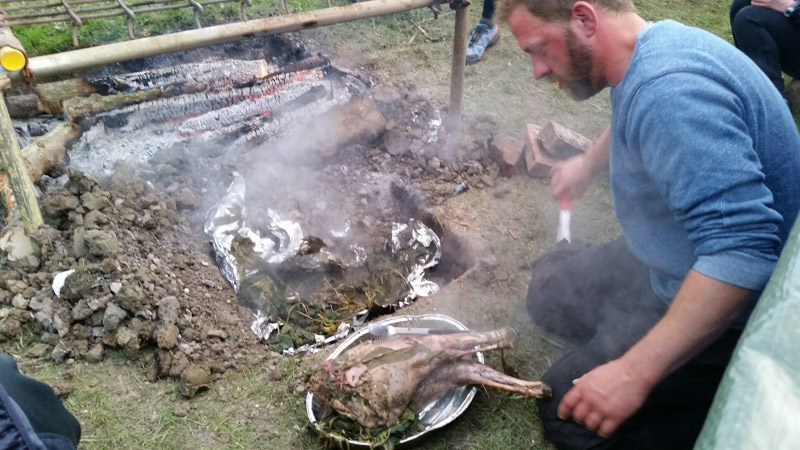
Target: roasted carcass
[374, 382]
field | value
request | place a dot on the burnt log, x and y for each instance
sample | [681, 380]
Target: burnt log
[52, 95]
[76, 108]
[46, 153]
[23, 105]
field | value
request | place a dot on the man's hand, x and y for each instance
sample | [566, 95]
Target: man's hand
[605, 397]
[777, 5]
[571, 177]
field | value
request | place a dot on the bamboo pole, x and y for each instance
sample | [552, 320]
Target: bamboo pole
[75, 60]
[11, 159]
[459, 65]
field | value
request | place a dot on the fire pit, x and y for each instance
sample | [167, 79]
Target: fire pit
[435, 415]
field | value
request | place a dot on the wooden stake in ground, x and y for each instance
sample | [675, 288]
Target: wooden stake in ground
[460, 37]
[11, 159]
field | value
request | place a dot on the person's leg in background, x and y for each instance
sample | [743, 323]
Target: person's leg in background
[45, 412]
[484, 35]
[768, 38]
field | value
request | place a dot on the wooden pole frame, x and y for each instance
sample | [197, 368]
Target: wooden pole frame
[14, 164]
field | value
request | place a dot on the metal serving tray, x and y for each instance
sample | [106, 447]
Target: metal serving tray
[439, 412]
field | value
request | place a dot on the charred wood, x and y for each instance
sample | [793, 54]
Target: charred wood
[76, 108]
[47, 152]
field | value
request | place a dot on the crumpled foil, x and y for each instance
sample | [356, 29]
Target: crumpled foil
[227, 220]
[59, 280]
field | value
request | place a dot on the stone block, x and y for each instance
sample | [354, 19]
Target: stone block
[507, 152]
[537, 162]
[560, 142]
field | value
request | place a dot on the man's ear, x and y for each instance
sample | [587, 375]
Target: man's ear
[583, 19]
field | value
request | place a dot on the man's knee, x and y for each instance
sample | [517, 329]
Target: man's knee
[550, 281]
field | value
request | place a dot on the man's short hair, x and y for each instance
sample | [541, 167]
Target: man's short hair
[557, 10]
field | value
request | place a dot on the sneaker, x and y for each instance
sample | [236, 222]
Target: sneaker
[482, 38]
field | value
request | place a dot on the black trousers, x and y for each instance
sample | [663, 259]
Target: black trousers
[488, 9]
[600, 297]
[771, 40]
[44, 410]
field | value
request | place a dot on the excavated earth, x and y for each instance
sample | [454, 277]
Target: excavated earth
[146, 283]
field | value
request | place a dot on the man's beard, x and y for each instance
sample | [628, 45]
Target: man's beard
[581, 84]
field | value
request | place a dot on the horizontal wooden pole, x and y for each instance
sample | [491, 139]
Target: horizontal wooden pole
[76, 60]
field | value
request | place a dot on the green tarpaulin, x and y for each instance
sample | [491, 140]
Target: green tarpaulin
[757, 406]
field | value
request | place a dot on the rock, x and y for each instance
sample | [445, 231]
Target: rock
[61, 325]
[97, 303]
[16, 286]
[115, 287]
[95, 354]
[108, 265]
[22, 251]
[166, 335]
[181, 410]
[396, 143]
[60, 353]
[560, 142]
[10, 326]
[95, 219]
[506, 151]
[537, 163]
[81, 311]
[38, 350]
[180, 363]
[163, 361]
[194, 378]
[61, 389]
[169, 309]
[185, 199]
[132, 297]
[101, 243]
[78, 285]
[45, 319]
[124, 336]
[40, 304]
[215, 333]
[29, 292]
[19, 301]
[95, 200]
[56, 205]
[79, 248]
[113, 317]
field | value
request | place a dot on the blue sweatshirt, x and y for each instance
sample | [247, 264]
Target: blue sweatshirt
[704, 160]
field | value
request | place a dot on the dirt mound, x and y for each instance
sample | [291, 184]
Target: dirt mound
[143, 283]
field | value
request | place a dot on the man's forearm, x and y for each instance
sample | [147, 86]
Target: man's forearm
[597, 155]
[701, 311]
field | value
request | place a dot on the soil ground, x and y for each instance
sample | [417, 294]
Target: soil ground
[506, 226]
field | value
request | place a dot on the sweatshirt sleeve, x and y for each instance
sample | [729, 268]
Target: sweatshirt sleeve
[696, 148]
